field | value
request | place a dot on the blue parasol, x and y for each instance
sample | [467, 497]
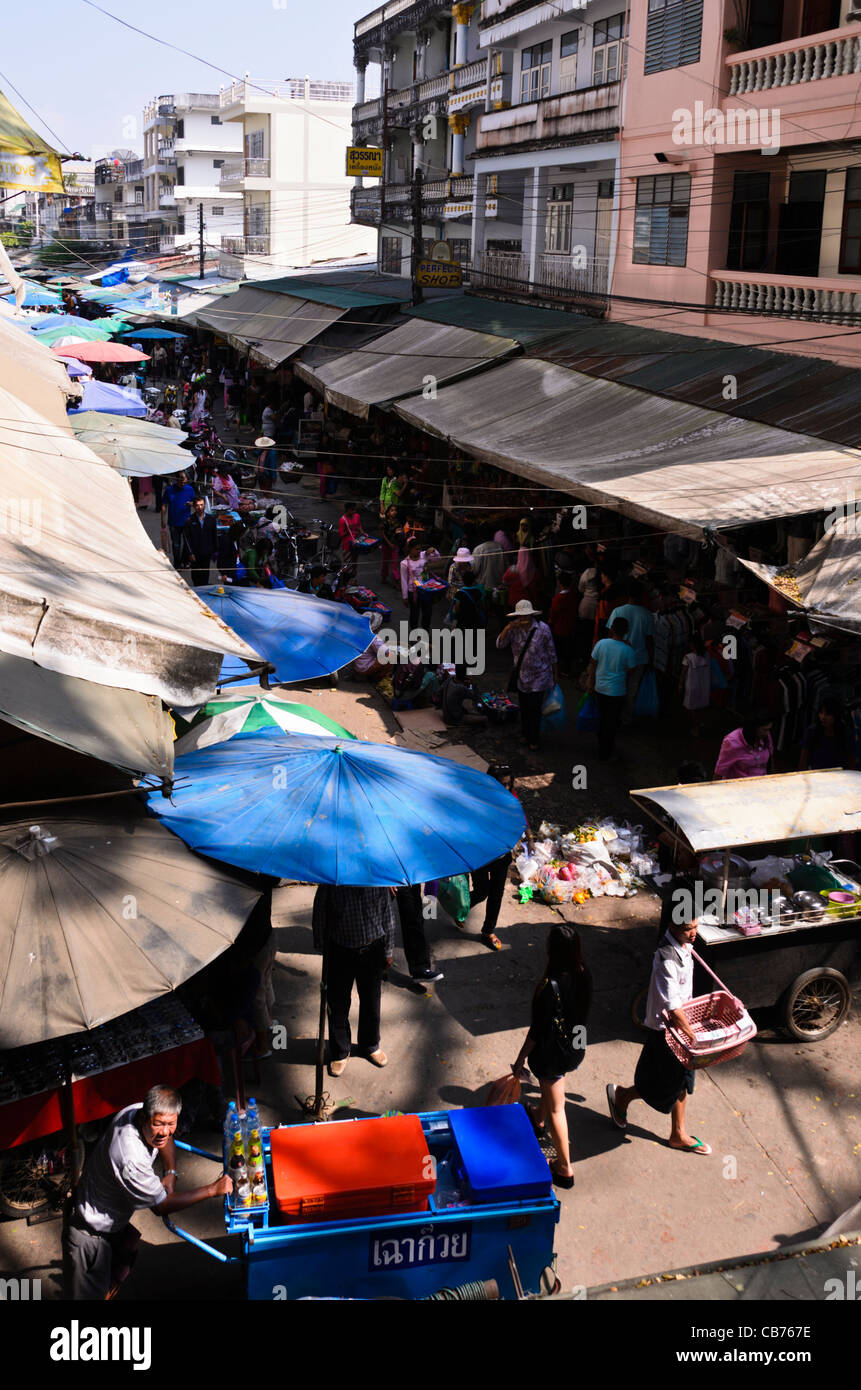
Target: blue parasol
[110, 400]
[327, 810]
[37, 296]
[302, 636]
[150, 333]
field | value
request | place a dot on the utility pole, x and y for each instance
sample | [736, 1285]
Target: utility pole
[200, 235]
[385, 157]
[418, 181]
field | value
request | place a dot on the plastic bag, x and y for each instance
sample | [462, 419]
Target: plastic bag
[587, 718]
[646, 706]
[504, 1091]
[527, 867]
[453, 896]
[553, 713]
[770, 867]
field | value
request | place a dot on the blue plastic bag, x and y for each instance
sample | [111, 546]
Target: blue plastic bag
[647, 705]
[587, 718]
[553, 716]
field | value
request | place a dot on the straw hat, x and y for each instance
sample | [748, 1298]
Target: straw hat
[463, 556]
[264, 442]
[524, 609]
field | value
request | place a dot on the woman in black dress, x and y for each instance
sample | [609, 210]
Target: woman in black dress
[556, 1041]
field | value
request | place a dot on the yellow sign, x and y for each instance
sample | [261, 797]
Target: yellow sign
[439, 275]
[31, 172]
[364, 159]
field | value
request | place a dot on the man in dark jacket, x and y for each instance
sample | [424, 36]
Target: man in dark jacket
[201, 537]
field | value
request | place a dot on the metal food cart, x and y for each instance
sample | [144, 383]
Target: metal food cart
[803, 961]
[490, 1216]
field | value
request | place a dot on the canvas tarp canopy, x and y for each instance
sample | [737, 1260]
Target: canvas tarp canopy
[755, 810]
[653, 459]
[31, 371]
[828, 578]
[135, 448]
[397, 364]
[82, 589]
[132, 731]
[271, 326]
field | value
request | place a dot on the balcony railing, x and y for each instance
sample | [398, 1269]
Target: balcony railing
[368, 110]
[826, 300]
[235, 170]
[245, 245]
[567, 116]
[167, 243]
[833, 54]
[292, 89]
[556, 277]
[167, 199]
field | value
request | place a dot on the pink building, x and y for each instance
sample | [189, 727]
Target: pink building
[740, 173]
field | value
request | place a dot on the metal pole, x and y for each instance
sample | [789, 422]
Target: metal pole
[418, 181]
[200, 235]
[385, 159]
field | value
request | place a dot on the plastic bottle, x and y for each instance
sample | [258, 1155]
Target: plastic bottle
[253, 1115]
[237, 1150]
[231, 1120]
[243, 1124]
[258, 1193]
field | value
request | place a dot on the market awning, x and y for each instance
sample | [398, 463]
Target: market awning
[122, 727]
[32, 372]
[827, 582]
[753, 810]
[653, 459]
[271, 326]
[82, 589]
[399, 363]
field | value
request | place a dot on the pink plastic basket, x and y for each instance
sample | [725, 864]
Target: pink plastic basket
[722, 1025]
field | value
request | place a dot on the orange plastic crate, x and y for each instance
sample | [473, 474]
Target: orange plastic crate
[351, 1168]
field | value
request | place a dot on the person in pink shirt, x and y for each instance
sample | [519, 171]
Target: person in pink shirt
[413, 567]
[746, 752]
[349, 528]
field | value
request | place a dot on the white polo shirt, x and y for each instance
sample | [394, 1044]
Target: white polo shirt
[672, 982]
[118, 1179]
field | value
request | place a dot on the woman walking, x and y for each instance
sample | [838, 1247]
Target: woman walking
[535, 669]
[556, 1041]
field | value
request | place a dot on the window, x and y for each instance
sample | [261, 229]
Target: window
[215, 120]
[850, 241]
[605, 188]
[390, 255]
[180, 175]
[461, 249]
[179, 132]
[218, 212]
[608, 44]
[661, 220]
[118, 195]
[254, 145]
[673, 33]
[568, 51]
[217, 163]
[560, 213]
[535, 71]
[748, 221]
[180, 224]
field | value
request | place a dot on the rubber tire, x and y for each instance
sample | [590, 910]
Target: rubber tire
[638, 1007]
[822, 972]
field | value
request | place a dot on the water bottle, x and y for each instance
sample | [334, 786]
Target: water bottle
[231, 1121]
[253, 1114]
[242, 1125]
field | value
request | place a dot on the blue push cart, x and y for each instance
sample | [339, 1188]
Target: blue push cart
[492, 1216]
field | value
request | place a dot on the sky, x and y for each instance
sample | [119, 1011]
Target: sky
[89, 78]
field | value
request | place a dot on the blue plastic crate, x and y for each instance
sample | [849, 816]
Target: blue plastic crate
[501, 1156]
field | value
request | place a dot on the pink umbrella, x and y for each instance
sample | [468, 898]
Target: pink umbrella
[102, 352]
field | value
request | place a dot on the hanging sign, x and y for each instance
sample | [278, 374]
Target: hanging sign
[364, 160]
[439, 275]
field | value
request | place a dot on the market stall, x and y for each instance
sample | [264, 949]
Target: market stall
[780, 916]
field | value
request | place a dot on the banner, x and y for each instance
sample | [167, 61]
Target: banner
[30, 172]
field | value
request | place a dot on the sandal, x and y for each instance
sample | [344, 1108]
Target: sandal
[699, 1147]
[492, 942]
[537, 1129]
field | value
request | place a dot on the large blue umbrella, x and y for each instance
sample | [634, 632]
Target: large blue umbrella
[111, 400]
[302, 636]
[151, 333]
[37, 296]
[55, 321]
[327, 810]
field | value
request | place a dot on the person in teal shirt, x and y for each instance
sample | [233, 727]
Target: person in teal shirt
[612, 659]
[640, 637]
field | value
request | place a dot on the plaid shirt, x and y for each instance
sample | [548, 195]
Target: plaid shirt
[354, 917]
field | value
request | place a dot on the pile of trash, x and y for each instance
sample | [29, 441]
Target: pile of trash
[592, 861]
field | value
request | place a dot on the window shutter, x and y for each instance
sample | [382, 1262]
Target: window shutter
[673, 36]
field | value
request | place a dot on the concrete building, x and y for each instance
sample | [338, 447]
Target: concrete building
[741, 172]
[119, 201]
[512, 112]
[187, 140]
[69, 216]
[290, 182]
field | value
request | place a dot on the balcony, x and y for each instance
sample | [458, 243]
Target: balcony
[814, 58]
[196, 101]
[109, 173]
[572, 118]
[167, 198]
[557, 279]
[826, 300]
[235, 171]
[251, 93]
[245, 245]
[387, 21]
[166, 149]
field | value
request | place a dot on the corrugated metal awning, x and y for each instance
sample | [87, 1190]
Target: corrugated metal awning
[828, 578]
[399, 364]
[271, 326]
[754, 810]
[653, 459]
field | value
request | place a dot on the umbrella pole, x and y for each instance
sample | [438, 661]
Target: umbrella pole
[67, 1107]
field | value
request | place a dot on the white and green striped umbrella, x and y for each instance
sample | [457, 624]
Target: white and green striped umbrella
[249, 709]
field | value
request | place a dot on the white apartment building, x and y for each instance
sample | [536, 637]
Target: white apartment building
[512, 112]
[290, 180]
[187, 141]
[68, 216]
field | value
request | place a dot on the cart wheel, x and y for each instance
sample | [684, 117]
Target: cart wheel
[816, 1004]
[638, 1007]
[26, 1189]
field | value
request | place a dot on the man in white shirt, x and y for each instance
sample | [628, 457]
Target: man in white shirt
[660, 1079]
[119, 1180]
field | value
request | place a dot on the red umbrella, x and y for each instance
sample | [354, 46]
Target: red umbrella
[102, 352]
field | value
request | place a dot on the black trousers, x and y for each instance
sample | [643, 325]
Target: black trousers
[420, 606]
[610, 710]
[530, 702]
[199, 574]
[412, 928]
[488, 884]
[363, 968]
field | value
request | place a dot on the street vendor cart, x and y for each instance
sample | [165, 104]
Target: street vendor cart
[780, 916]
[400, 1206]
